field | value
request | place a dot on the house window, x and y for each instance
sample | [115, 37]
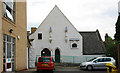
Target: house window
[74, 45]
[9, 10]
[39, 36]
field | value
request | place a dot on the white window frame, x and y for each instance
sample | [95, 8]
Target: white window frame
[11, 59]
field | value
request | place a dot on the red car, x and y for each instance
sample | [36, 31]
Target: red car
[45, 63]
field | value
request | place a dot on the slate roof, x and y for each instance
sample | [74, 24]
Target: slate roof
[92, 43]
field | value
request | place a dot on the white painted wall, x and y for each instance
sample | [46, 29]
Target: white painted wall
[32, 56]
[1, 37]
[58, 22]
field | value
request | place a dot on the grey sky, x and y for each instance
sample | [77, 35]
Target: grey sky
[85, 15]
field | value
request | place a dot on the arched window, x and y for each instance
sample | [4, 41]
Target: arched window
[74, 45]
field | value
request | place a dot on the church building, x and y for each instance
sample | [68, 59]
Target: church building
[57, 37]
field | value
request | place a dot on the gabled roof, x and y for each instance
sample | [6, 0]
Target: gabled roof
[92, 43]
[55, 10]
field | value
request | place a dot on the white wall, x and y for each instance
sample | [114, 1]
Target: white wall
[0, 37]
[31, 57]
[58, 22]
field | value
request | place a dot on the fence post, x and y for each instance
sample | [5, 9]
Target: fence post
[35, 61]
[73, 59]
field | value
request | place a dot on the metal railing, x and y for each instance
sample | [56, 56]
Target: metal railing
[69, 59]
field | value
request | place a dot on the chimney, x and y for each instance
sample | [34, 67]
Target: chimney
[106, 38]
[33, 29]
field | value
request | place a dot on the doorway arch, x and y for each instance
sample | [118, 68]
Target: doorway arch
[57, 55]
[45, 52]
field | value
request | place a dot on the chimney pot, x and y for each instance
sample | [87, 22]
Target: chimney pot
[33, 29]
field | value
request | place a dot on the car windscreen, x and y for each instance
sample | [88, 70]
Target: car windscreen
[91, 59]
[44, 59]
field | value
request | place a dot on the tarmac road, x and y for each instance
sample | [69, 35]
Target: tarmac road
[65, 70]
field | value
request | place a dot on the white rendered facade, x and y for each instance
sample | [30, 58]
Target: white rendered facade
[57, 33]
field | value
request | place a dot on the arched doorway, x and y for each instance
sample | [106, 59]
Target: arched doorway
[45, 52]
[57, 55]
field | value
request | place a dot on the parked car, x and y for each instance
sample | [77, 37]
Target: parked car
[45, 63]
[97, 63]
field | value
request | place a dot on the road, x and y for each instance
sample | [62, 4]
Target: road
[65, 70]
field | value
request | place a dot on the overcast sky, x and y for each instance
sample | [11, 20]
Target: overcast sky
[85, 15]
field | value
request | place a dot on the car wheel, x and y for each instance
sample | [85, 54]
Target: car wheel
[80, 68]
[89, 67]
